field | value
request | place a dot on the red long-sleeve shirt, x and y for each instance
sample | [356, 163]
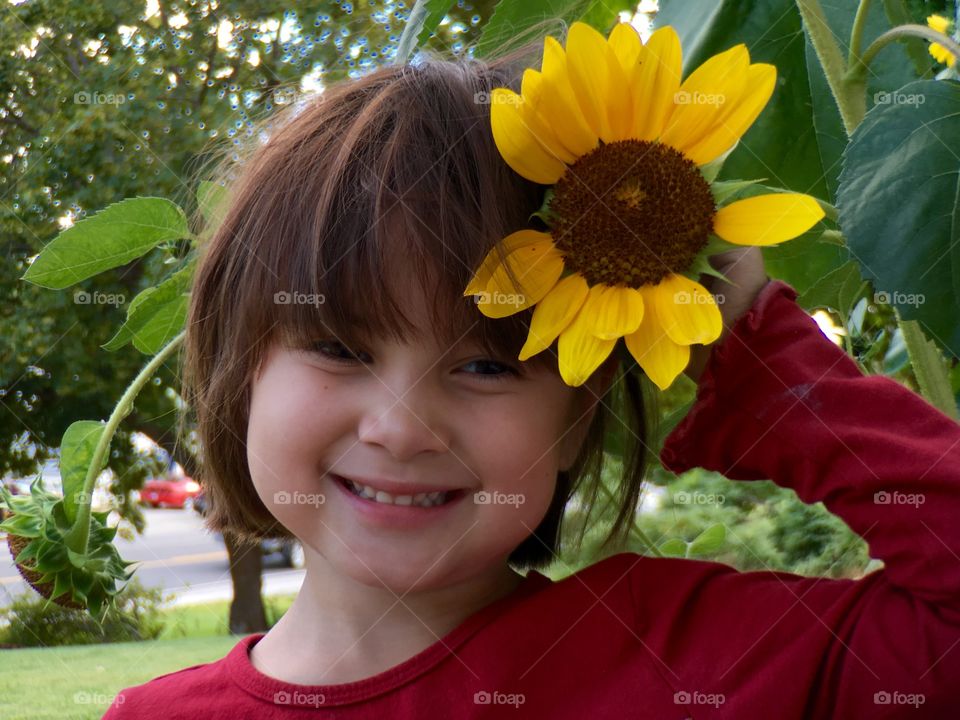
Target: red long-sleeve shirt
[646, 637]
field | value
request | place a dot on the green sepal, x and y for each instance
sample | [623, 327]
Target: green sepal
[723, 190]
[545, 213]
[712, 169]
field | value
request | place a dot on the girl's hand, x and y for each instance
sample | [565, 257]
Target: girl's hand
[744, 266]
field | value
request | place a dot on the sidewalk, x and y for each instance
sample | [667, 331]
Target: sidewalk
[283, 582]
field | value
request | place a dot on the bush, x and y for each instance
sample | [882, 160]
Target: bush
[32, 621]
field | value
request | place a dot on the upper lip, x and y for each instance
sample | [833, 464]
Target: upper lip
[396, 487]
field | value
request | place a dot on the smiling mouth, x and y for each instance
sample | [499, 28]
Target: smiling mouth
[423, 500]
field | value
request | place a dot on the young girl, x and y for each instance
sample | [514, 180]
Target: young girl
[350, 396]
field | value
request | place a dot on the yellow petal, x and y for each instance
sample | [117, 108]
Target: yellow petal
[761, 80]
[767, 219]
[703, 97]
[539, 126]
[598, 82]
[655, 81]
[660, 357]
[537, 268]
[586, 61]
[942, 55]
[938, 23]
[626, 44]
[687, 311]
[580, 352]
[517, 144]
[560, 104]
[615, 311]
[511, 243]
[553, 314]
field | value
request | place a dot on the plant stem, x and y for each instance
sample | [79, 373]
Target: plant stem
[856, 35]
[898, 14]
[77, 538]
[851, 100]
[899, 33]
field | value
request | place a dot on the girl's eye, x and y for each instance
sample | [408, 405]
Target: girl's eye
[334, 351]
[505, 373]
[491, 370]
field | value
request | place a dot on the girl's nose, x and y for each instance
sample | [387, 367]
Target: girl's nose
[404, 427]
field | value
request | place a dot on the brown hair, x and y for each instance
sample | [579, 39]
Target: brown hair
[307, 213]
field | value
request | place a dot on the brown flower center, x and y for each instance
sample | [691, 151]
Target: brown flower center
[631, 213]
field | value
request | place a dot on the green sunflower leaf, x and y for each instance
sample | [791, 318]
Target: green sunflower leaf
[156, 314]
[114, 236]
[709, 541]
[76, 453]
[674, 547]
[899, 205]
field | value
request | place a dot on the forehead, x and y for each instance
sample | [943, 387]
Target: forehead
[399, 283]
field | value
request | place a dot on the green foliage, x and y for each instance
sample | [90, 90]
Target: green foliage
[911, 197]
[512, 19]
[76, 456]
[753, 525]
[767, 527]
[157, 314]
[30, 622]
[114, 236]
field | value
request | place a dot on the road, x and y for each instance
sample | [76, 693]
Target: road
[176, 553]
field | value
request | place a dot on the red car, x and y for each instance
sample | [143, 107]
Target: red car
[173, 491]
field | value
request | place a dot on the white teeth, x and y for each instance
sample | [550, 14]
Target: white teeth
[420, 499]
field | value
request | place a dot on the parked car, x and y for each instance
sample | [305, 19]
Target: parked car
[171, 491]
[291, 550]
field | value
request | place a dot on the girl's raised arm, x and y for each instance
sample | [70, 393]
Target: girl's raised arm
[778, 400]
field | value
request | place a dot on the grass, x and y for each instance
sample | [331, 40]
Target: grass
[210, 619]
[79, 682]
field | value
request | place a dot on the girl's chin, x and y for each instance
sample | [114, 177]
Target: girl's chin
[400, 569]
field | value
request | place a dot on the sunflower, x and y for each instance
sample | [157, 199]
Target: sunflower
[938, 51]
[630, 152]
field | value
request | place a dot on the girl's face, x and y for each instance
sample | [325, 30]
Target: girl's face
[410, 419]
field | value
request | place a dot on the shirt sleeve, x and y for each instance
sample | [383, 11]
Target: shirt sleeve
[778, 400]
